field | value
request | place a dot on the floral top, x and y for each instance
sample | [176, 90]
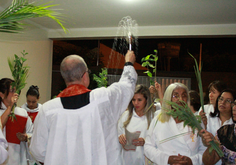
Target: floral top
[227, 137]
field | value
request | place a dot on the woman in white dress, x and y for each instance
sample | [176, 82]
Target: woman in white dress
[137, 118]
[16, 142]
[214, 90]
[222, 113]
[186, 149]
[32, 106]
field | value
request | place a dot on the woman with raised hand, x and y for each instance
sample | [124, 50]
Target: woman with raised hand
[32, 106]
[214, 90]
[226, 136]
[186, 149]
[222, 114]
[136, 119]
[16, 141]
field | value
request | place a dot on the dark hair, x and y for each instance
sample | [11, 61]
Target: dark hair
[195, 100]
[218, 85]
[33, 91]
[216, 111]
[5, 84]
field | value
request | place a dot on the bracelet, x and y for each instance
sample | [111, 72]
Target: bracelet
[129, 63]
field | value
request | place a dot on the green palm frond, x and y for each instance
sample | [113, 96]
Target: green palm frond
[184, 113]
[21, 10]
[19, 74]
[199, 81]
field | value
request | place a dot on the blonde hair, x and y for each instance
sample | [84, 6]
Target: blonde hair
[163, 117]
[141, 89]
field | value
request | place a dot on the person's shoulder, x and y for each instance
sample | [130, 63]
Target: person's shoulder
[20, 111]
[24, 105]
[98, 93]
[52, 104]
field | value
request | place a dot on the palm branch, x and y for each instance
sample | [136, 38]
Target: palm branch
[19, 74]
[184, 113]
[21, 10]
[199, 80]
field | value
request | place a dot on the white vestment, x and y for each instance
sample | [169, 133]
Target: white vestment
[25, 106]
[137, 123]
[187, 145]
[3, 146]
[208, 108]
[87, 135]
[18, 152]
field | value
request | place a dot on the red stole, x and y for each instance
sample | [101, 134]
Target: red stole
[32, 115]
[73, 90]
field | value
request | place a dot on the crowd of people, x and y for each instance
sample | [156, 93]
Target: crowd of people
[123, 124]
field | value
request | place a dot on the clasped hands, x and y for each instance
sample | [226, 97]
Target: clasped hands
[136, 142]
[179, 160]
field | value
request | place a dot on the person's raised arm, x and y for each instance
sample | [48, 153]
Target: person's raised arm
[159, 91]
[5, 115]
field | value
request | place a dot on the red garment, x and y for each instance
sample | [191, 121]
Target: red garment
[73, 90]
[32, 115]
[13, 127]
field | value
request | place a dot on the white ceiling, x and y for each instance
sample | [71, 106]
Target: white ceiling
[100, 18]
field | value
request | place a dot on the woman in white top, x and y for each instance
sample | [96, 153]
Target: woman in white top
[32, 106]
[17, 150]
[186, 149]
[222, 114]
[214, 90]
[137, 118]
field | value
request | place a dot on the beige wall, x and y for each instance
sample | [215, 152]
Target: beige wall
[39, 59]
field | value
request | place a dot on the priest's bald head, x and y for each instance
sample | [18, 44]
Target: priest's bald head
[74, 70]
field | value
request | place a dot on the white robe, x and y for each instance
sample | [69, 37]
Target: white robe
[208, 108]
[159, 152]
[87, 135]
[137, 123]
[18, 152]
[213, 124]
[3, 146]
[25, 106]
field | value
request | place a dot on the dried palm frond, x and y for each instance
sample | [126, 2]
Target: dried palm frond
[19, 74]
[21, 10]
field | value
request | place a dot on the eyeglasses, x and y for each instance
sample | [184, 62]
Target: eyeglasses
[183, 96]
[227, 101]
[89, 71]
[233, 104]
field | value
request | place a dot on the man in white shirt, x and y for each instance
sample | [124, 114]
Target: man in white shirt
[80, 125]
